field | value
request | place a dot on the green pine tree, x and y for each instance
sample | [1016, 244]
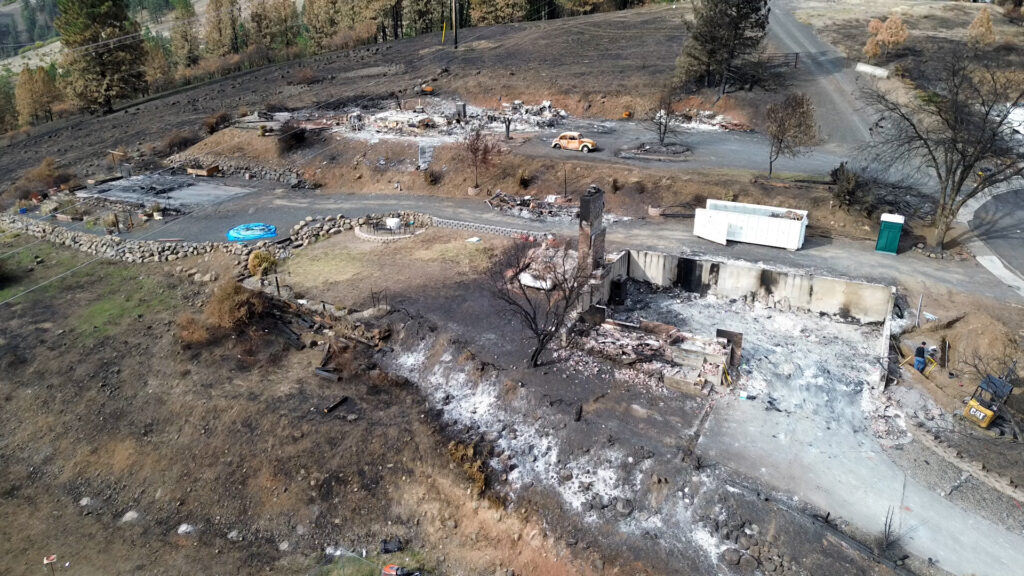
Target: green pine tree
[104, 52]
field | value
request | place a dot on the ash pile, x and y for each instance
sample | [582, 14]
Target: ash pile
[427, 117]
[683, 362]
[551, 207]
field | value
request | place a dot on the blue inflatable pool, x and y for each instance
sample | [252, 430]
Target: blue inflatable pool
[248, 232]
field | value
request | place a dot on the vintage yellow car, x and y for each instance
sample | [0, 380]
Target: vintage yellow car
[574, 141]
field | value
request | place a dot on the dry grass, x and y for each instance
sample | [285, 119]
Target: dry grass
[343, 269]
[215, 122]
[240, 145]
[48, 174]
[180, 140]
[232, 306]
[192, 331]
[261, 262]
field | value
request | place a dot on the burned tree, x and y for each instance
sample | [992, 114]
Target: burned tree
[660, 123]
[480, 150]
[541, 287]
[790, 127]
[961, 132]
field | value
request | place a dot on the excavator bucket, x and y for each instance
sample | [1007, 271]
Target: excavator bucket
[978, 414]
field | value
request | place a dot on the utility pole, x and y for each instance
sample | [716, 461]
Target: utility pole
[455, 23]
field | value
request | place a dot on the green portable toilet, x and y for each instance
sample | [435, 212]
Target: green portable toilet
[889, 233]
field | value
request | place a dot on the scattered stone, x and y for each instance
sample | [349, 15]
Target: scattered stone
[731, 556]
[748, 563]
[130, 516]
[184, 529]
[235, 536]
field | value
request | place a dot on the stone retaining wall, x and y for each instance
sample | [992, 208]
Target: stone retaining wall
[115, 247]
[291, 178]
[308, 230]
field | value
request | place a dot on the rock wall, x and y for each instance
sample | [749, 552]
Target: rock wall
[255, 171]
[306, 231]
[115, 247]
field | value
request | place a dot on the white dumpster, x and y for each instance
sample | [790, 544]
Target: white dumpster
[766, 225]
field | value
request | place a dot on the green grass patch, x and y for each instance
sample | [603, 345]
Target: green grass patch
[127, 296]
[19, 271]
[99, 297]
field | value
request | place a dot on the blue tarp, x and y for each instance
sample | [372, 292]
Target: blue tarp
[254, 231]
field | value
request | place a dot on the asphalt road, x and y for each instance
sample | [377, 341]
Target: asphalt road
[999, 223]
[823, 73]
[837, 257]
[708, 149]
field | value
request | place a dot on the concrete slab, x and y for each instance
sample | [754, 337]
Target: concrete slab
[174, 192]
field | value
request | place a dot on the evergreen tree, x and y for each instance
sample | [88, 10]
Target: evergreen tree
[221, 33]
[184, 40]
[275, 24]
[721, 32]
[577, 7]
[29, 18]
[159, 71]
[424, 16]
[103, 54]
[488, 12]
[321, 18]
[8, 105]
[35, 94]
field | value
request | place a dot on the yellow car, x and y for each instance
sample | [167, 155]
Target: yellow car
[574, 141]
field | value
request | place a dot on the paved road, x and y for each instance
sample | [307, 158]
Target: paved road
[999, 223]
[709, 149]
[828, 256]
[824, 75]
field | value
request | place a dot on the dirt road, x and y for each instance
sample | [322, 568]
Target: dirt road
[825, 77]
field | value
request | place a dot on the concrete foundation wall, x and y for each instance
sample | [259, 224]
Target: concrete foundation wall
[654, 267]
[859, 300]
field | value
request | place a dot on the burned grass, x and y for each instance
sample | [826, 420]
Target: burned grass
[147, 438]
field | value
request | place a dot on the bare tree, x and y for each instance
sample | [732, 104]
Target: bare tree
[541, 288]
[961, 132]
[480, 150]
[660, 123]
[790, 127]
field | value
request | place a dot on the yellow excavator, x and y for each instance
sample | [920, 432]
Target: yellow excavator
[984, 405]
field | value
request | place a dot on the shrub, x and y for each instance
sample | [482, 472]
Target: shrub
[275, 106]
[214, 123]
[292, 138]
[432, 176]
[845, 185]
[350, 37]
[261, 262]
[180, 140]
[43, 177]
[192, 330]
[305, 77]
[233, 306]
[524, 179]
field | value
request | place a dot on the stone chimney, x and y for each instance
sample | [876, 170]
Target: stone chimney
[592, 230]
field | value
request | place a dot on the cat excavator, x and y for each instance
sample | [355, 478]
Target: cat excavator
[989, 397]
